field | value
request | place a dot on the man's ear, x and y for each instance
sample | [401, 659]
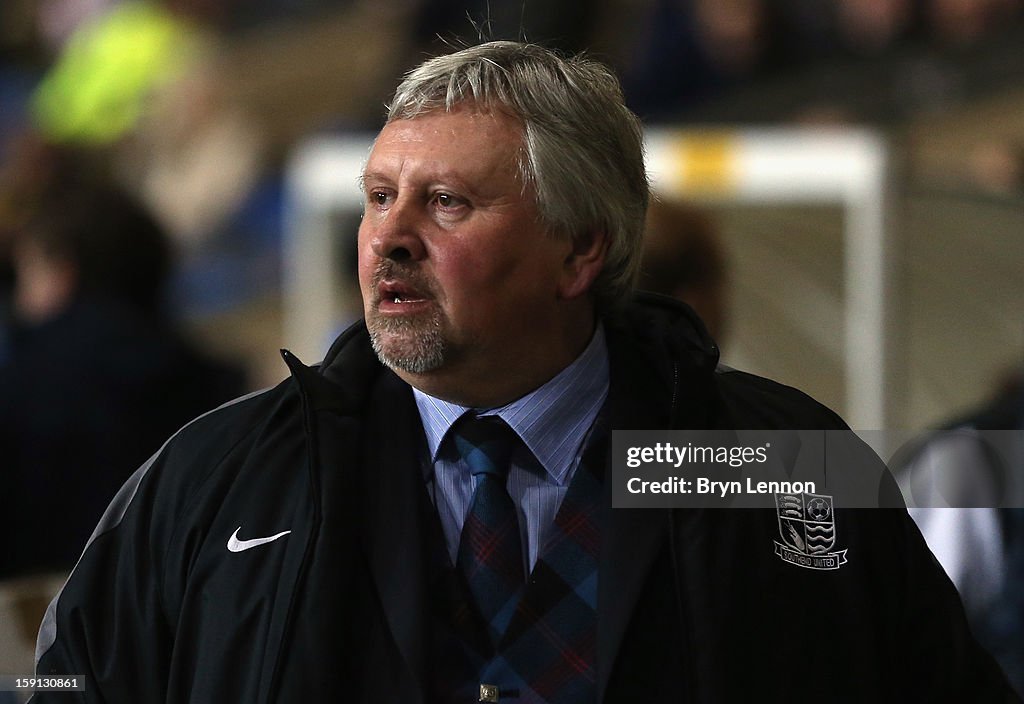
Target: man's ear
[584, 262]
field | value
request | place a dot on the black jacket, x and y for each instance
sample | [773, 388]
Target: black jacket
[694, 606]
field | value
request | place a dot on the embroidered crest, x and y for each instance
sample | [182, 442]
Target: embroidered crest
[808, 530]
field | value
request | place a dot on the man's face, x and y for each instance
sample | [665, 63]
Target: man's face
[460, 280]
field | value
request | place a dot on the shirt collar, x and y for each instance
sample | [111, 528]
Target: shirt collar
[553, 420]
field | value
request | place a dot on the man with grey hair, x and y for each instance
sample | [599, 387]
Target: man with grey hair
[426, 515]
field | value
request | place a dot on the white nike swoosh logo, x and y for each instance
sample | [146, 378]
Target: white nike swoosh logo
[236, 545]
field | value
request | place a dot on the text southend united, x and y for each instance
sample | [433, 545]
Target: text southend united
[703, 485]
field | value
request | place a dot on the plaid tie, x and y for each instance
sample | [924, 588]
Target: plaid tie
[490, 550]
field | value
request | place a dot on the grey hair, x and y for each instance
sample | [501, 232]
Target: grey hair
[583, 147]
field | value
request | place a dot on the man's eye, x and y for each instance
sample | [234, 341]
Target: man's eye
[378, 199]
[445, 200]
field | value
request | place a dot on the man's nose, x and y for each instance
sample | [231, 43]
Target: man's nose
[398, 233]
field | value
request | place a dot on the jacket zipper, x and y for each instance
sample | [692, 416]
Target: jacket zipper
[286, 631]
[675, 396]
[689, 662]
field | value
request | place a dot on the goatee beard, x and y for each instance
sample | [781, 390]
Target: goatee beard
[413, 344]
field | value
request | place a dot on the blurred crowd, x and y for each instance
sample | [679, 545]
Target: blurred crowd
[194, 105]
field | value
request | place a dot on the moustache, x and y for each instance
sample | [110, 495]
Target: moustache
[408, 276]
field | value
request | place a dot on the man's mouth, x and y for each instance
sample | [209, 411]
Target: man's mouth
[394, 293]
[401, 298]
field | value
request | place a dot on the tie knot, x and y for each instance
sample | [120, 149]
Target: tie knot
[486, 444]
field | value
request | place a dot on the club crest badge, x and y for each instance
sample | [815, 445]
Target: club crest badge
[808, 530]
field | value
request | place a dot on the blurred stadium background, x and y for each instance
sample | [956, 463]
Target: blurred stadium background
[198, 105]
[203, 107]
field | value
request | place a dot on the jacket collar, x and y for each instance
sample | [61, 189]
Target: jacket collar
[655, 339]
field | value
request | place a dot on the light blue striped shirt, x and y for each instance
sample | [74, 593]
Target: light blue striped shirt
[554, 422]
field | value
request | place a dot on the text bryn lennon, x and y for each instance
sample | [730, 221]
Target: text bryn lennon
[703, 485]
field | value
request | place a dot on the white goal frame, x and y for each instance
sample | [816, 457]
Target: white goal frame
[843, 167]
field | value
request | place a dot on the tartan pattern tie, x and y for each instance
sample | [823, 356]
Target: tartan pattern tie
[490, 556]
[548, 651]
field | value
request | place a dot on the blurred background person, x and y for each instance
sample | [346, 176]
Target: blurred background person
[93, 375]
[965, 478]
[683, 258]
